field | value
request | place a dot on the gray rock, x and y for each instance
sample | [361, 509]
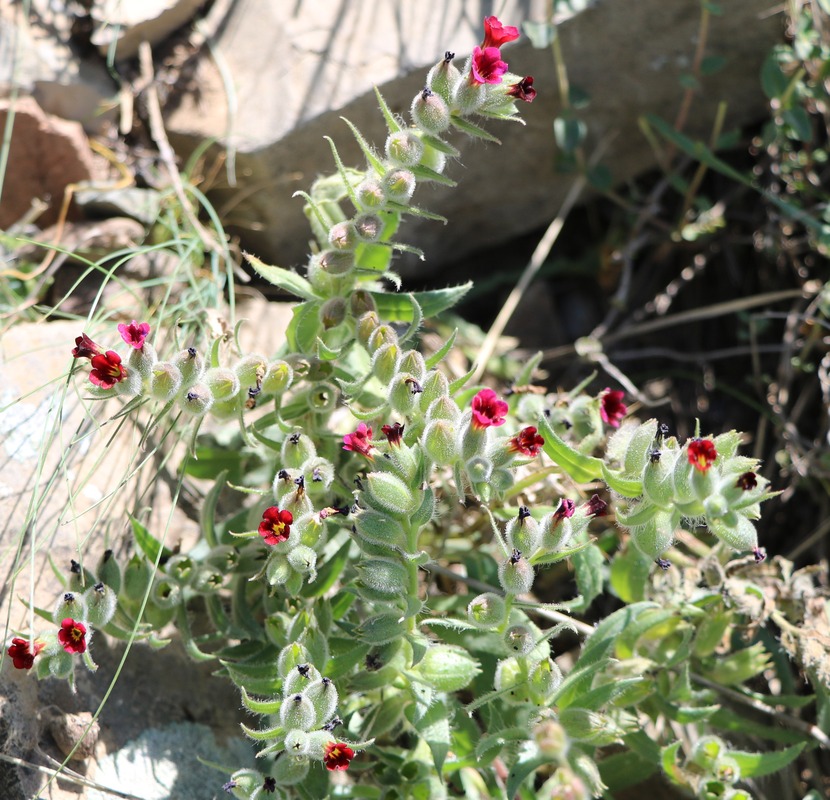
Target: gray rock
[294, 73]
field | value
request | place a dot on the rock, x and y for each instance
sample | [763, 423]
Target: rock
[39, 58]
[46, 155]
[73, 733]
[296, 72]
[130, 22]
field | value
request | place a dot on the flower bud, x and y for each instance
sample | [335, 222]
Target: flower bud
[433, 159]
[390, 493]
[141, 361]
[197, 400]
[109, 571]
[137, 577]
[682, 480]
[297, 712]
[378, 529]
[165, 380]
[447, 668]
[413, 363]
[384, 575]
[290, 657]
[69, 605]
[100, 603]
[656, 536]
[657, 478]
[741, 536]
[444, 77]
[488, 610]
[639, 447]
[289, 770]
[403, 393]
[323, 696]
[430, 112]
[303, 560]
[130, 385]
[544, 681]
[404, 148]
[381, 335]
[479, 469]
[715, 506]
[381, 629]
[361, 302]
[444, 407]
[727, 770]
[367, 324]
[370, 193]
[385, 362]
[551, 739]
[191, 365]
[300, 678]
[222, 382]
[440, 442]
[399, 185]
[707, 750]
[469, 97]
[60, 665]
[519, 640]
[296, 449]
[296, 743]
[251, 369]
[589, 726]
[244, 782]
[368, 228]
[343, 236]
[516, 575]
[435, 385]
[523, 533]
[511, 679]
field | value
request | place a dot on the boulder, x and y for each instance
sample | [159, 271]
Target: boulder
[293, 71]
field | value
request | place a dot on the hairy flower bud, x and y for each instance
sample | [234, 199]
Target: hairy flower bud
[657, 478]
[297, 711]
[523, 533]
[165, 380]
[278, 377]
[289, 771]
[141, 361]
[109, 571]
[469, 97]
[385, 362]
[296, 449]
[444, 77]
[137, 577]
[389, 493]
[403, 393]
[323, 696]
[447, 668]
[343, 236]
[516, 574]
[379, 529]
[362, 302]
[435, 385]
[303, 560]
[290, 657]
[69, 605]
[100, 603]
[381, 335]
[519, 640]
[404, 148]
[430, 112]
[399, 185]
[381, 629]
[545, 679]
[197, 400]
[368, 227]
[300, 678]
[656, 536]
[440, 442]
[222, 382]
[445, 408]
[370, 193]
[488, 610]
[511, 680]
[740, 536]
[191, 365]
[251, 369]
[639, 446]
[384, 575]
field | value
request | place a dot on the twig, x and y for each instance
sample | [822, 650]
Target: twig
[785, 719]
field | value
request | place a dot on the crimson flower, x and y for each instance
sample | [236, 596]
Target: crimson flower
[72, 636]
[85, 347]
[135, 333]
[360, 441]
[747, 481]
[523, 90]
[596, 507]
[393, 433]
[611, 407]
[488, 410]
[487, 66]
[337, 756]
[107, 369]
[496, 34]
[527, 442]
[702, 454]
[22, 657]
[566, 509]
[276, 525]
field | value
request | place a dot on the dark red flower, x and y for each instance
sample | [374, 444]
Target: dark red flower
[276, 525]
[85, 347]
[488, 410]
[496, 34]
[611, 407]
[759, 555]
[107, 369]
[702, 454]
[523, 90]
[337, 756]
[22, 657]
[360, 441]
[596, 507]
[747, 481]
[393, 433]
[487, 66]
[72, 636]
[527, 442]
[566, 509]
[135, 333]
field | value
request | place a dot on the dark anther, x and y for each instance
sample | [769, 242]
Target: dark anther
[69, 598]
[300, 482]
[297, 698]
[294, 438]
[99, 587]
[332, 724]
[358, 483]
[269, 785]
[759, 554]
[327, 682]
[283, 475]
[654, 456]
[524, 513]
[568, 424]
[229, 786]
[515, 556]
[107, 555]
[449, 56]
[303, 669]
[190, 397]
[191, 352]
[74, 567]
[426, 92]
[546, 412]
[373, 662]
[315, 475]
[662, 432]
[663, 563]
[414, 386]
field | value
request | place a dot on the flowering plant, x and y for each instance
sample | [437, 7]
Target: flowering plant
[324, 597]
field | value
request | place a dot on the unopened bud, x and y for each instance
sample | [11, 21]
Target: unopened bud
[445, 408]
[413, 363]
[435, 385]
[370, 193]
[296, 449]
[381, 335]
[656, 536]
[381, 629]
[197, 400]
[511, 680]
[390, 493]
[323, 696]
[741, 536]
[165, 380]
[297, 712]
[69, 605]
[488, 610]
[444, 77]
[100, 604]
[137, 577]
[222, 382]
[545, 679]
[639, 446]
[289, 771]
[404, 148]
[519, 640]
[141, 361]
[290, 657]
[191, 365]
[523, 533]
[343, 236]
[399, 185]
[430, 112]
[385, 362]
[384, 575]
[439, 441]
[516, 574]
[333, 312]
[378, 529]
[278, 377]
[109, 571]
[447, 668]
[367, 324]
[303, 560]
[403, 393]
[300, 678]
[368, 227]
[361, 302]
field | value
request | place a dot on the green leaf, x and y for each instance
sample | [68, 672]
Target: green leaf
[756, 765]
[207, 514]
[569, 133]
[520, 771]
[284, 278]
[440, 145]
[438, 356]
[600, 177]
[623, 770]
[370, 154]
[624, 486]
[434, 728]
[426, 174]
[773, 80]
[304, 327]
[415, 211]
[668, 759]
[399, 307]
[149, 545]
[580, 467]
[712, 64]
[472, 129]
[391, 121]
[595, 699]
[588, 566]
[629, 575]
[800, 124]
